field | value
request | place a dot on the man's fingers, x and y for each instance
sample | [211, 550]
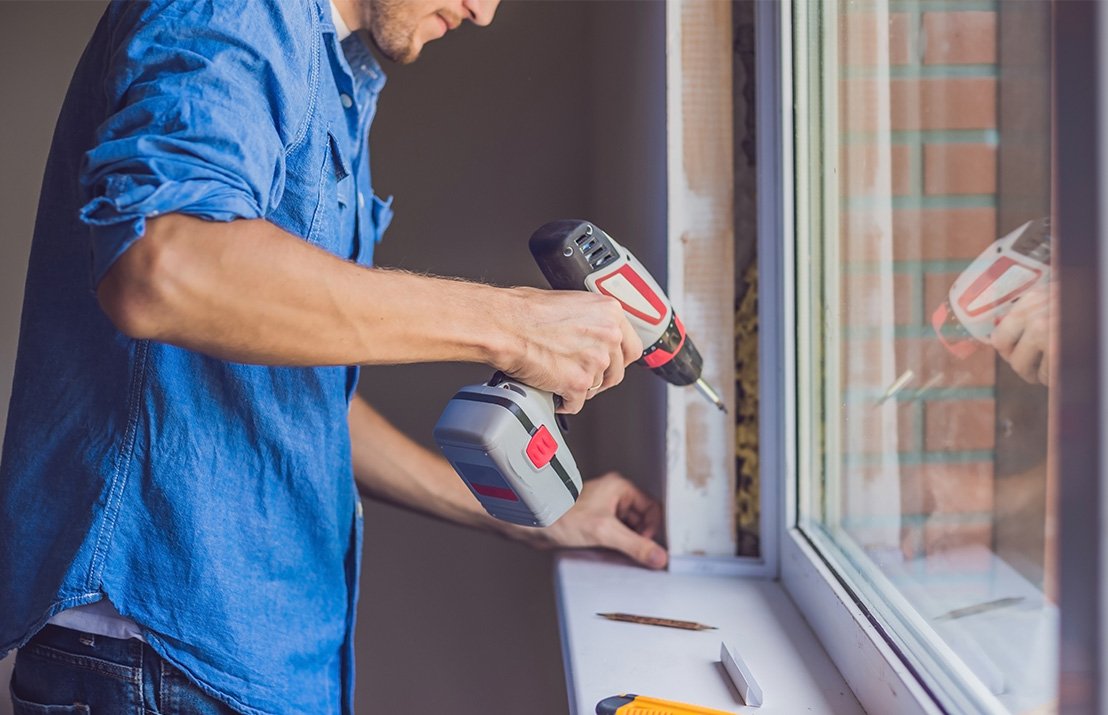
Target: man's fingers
[572, 402]
[613, 375]
[644, 523]
[639, 548]
[638, 511]
[628, 351]
[1026, 358]
[651, 520]
[574, 399]
[631, 345]
[635, 500]
[571, 406]
[1007, 334]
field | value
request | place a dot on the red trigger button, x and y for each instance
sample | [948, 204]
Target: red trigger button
[541, 447]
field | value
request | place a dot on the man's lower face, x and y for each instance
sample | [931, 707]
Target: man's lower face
[400, 28]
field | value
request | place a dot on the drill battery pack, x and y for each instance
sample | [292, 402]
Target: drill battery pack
[503, 440]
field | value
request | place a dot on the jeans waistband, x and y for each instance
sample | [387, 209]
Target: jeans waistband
[118, 650]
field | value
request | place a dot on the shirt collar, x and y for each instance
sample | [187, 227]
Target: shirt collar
[352, 57]
[363, 65]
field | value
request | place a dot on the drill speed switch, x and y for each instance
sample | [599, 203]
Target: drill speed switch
[577, 255]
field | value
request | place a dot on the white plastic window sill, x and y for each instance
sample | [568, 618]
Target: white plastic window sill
[754, 617]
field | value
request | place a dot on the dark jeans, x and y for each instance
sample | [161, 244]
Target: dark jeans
[62, 672]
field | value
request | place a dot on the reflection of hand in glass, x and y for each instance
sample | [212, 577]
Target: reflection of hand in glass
[1022, 337]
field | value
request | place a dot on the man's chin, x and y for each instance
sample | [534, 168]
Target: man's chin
[405, 55]
[409, 58]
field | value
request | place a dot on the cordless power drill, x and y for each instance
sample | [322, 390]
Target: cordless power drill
[503, 438]
[988, 288]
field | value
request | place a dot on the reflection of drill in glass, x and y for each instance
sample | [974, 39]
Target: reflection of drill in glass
[988, 289]
[1001, 299]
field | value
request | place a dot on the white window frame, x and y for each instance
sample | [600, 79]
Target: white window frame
[868, 659]
[880, 681]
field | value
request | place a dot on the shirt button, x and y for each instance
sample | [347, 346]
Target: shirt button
[347, 102]
[361, 199]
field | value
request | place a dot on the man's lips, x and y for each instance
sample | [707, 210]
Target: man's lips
[449, 25]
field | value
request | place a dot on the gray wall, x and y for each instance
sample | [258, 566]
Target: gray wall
[555, 111]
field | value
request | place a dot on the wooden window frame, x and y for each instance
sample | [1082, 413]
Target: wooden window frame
[700, 440]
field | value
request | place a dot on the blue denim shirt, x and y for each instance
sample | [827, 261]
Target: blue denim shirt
[212, 502]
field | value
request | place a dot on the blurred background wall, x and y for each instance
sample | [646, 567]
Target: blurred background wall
[557, 110]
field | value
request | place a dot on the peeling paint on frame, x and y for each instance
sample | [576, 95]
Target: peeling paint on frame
[699, 438]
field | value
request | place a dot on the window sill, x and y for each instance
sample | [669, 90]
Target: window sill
[876, 674]
[993, 619]
[754, 617]
[987, 623]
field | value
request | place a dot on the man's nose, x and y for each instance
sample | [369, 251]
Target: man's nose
[480, 12]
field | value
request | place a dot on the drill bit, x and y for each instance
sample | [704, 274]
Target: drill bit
[899, 384]
[712, 395]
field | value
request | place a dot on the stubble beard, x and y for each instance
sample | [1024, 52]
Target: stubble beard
[391, 31]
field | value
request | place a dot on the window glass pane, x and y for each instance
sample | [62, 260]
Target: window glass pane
[924, 173]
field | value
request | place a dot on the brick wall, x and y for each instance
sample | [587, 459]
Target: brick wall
[917, 183]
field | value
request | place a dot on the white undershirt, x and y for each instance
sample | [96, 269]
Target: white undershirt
[100, 618]
[340, 26]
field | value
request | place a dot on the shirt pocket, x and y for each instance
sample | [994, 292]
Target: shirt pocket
[308, 206]
[382, 216]
[336, 188]
[373, 218]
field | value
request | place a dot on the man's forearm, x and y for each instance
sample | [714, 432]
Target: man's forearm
[249, 292]
[390, 467]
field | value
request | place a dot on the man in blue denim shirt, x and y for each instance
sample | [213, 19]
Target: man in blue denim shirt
[179, 526]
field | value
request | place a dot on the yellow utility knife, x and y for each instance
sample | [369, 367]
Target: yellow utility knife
[631, 704]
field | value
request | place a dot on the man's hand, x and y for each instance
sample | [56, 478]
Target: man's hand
[1022, 337]
[611, 513]
[575, 344]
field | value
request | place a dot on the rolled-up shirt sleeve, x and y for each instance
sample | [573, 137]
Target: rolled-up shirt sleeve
[201, 111]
